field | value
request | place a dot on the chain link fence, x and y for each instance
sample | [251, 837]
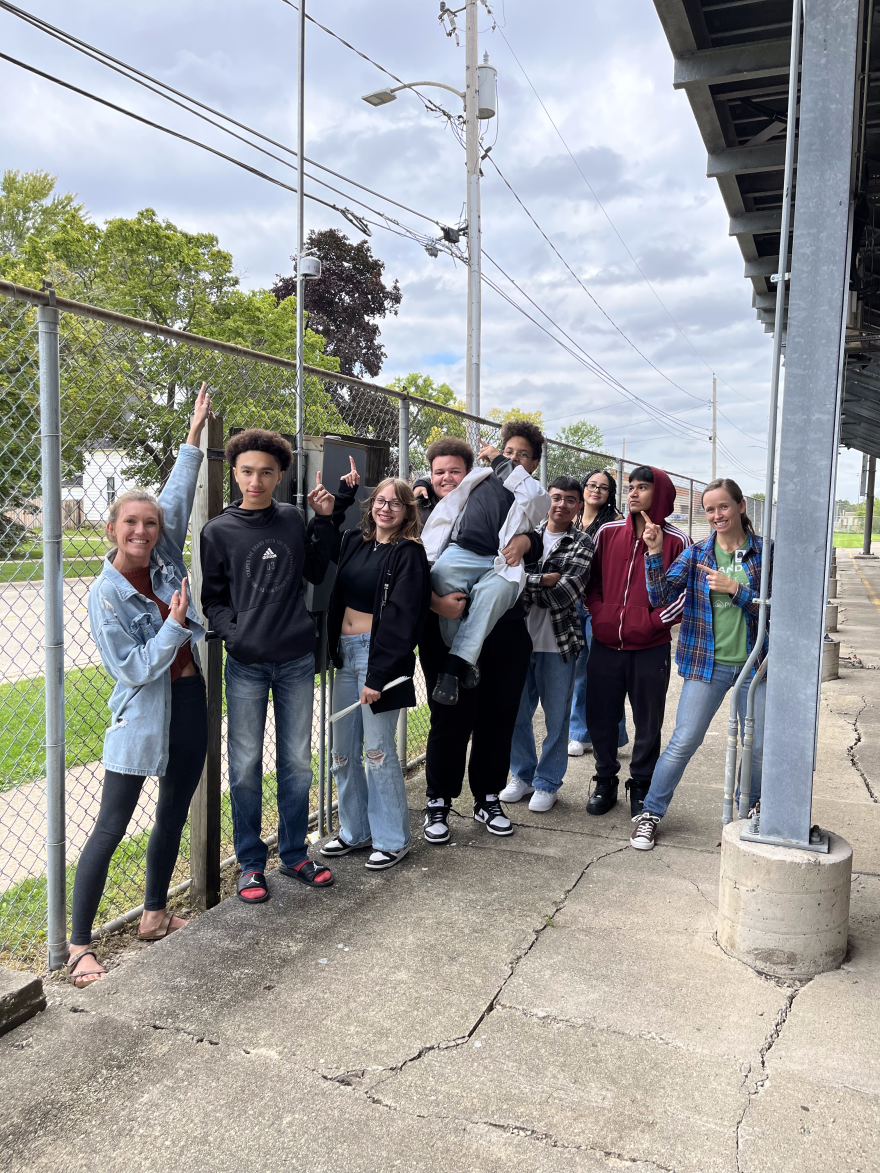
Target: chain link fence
[126, 389]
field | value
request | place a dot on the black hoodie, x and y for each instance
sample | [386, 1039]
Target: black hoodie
[253, 563]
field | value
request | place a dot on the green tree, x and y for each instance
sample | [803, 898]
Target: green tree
[128, 390]
[425, 424]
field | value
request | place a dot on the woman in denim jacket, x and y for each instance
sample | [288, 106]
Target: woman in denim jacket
[145, 629]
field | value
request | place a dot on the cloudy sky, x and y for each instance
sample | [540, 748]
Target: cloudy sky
[604, 73]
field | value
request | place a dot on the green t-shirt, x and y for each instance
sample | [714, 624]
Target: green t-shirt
[728, 620]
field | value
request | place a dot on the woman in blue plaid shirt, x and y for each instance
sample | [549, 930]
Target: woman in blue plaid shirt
[721, 578]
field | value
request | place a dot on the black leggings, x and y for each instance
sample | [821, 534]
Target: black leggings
[187, 745]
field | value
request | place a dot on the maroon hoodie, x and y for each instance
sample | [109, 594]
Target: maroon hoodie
[617, 598]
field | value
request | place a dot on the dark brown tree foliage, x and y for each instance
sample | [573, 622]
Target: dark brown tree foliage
[342, 306]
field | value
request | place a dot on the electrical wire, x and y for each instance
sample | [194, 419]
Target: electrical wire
[132, 73]
[611, 222]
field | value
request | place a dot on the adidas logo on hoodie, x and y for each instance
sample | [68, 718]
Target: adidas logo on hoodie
[270, 553]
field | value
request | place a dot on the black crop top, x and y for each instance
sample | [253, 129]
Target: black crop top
[359, 576]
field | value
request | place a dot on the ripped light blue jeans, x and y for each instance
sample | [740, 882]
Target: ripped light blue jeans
[372, 801]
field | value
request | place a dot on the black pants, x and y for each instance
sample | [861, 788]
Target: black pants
[486, 713]
[188, 743]
[643, 676]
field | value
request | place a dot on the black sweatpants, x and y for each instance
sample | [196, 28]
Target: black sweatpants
[187, 745]
[487, 713]
[643, 676]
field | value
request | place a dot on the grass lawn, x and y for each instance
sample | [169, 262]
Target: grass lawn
[33, 571]
[846, 541]
[22, 727]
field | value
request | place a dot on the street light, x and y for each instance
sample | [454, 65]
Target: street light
[480, 103]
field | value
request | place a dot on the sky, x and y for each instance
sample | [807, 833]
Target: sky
[624, 198]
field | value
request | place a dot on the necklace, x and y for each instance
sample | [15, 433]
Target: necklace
[376, 545]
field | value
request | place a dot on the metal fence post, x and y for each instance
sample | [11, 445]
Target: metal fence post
[205, 809]
[543, 473]
[691, 510]
[53, 609]
[403, 471]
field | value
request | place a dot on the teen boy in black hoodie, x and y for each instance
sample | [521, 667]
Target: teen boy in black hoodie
[254, 557]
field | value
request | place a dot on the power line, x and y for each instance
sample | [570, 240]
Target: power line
[601, 206]
[132, 73]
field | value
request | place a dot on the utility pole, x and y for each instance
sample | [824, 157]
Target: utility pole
[300, 244]
[472, 160]
[714, 427]
[869, 505]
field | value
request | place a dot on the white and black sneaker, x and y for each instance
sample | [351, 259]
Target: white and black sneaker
[338, 846]
[437, 821]
[488, 811]
[379, 860]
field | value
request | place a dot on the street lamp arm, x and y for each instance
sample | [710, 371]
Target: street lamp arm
[411, 85]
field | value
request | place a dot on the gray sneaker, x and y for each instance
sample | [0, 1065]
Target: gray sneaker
[644, 832]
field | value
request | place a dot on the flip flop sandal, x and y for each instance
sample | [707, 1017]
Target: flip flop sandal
[78, 979]
[162, 931]
[307, 873]
[252, 880]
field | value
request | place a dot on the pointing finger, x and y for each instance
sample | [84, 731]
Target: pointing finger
[318, 479]
[352, 463]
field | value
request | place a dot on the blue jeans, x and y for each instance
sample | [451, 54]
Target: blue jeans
[551, 681]
[491, 595]
[372, 802]
[699, 702]
[577, 727]
[247, 697]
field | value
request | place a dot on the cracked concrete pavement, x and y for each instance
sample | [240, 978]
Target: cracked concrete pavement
[552, 1003]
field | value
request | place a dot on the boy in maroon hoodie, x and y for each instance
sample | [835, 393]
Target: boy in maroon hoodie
[629, 655]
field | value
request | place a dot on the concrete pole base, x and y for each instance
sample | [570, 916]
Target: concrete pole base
[832, 588]
[831, 616]
[830, 658]
[782, 911]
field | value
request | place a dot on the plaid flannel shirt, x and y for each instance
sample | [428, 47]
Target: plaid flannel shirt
[570, 557]
[695, 653]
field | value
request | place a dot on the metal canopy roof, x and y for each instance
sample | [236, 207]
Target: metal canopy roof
[731, 59]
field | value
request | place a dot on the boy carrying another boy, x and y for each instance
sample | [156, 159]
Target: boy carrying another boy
[468, 536]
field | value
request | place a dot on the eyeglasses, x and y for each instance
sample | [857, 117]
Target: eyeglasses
[395, 506]
[598, 488]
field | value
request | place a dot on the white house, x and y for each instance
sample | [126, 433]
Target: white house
[102, 481]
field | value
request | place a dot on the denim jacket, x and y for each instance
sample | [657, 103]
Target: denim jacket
[137, 648]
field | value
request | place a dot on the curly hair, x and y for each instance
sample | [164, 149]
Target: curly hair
[259, 440]
[529, 431]
[450, 446]
[410, 525]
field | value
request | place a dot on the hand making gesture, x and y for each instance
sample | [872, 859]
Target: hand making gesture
[353, 478]
[652, 535]
[178, 604]
[201, 411]
[717, 581]
[488, 452]
[320, 499]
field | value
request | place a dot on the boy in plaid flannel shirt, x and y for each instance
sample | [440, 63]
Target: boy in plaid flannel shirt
[554, 585]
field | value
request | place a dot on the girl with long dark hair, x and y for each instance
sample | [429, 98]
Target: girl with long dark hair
[600, 496]
[721, 580]
[379, 603]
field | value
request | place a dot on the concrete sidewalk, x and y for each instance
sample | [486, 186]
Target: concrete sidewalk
[550, 1002]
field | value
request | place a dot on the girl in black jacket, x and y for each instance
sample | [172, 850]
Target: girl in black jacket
[378, 606]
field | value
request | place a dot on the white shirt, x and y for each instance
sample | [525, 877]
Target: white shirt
[538, 619]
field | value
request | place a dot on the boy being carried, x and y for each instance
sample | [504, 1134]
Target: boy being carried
[469, 538]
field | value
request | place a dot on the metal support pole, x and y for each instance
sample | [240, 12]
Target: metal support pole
[322, 726]
[691, 510]
[714, 427]
[814, 360]
[205, 828]
[300, 244]
[745, 773]
[53, 611]
[620, 485]
[869, 504]
[328, 790]
[472, 162]
[775, 373]
[403, 472]
[543, 472]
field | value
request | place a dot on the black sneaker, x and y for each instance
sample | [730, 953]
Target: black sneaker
[446, 689]
[471, 678]
[380, 860]
[604, 797]
[638, 792]
[488, 811]
[338, 846]
[437, 821]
